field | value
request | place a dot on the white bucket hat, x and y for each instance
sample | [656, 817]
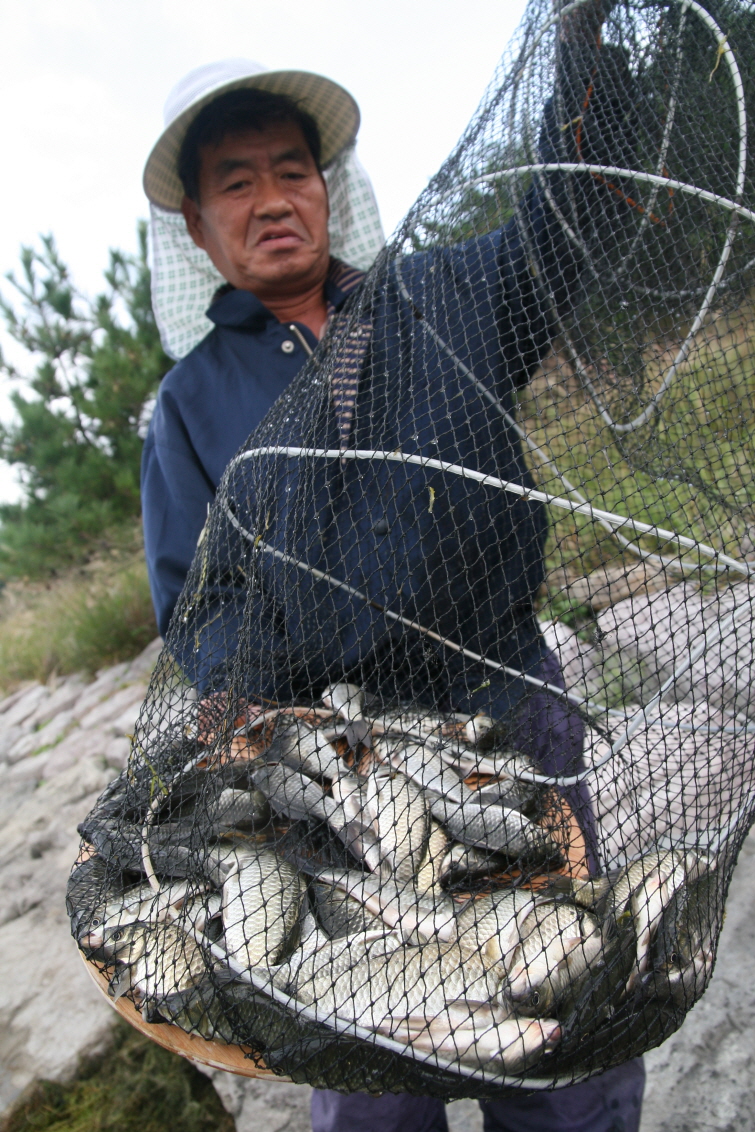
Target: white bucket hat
[184, 279]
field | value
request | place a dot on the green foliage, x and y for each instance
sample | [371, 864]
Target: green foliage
[77, 437]
[80, 622]
[134, 1087]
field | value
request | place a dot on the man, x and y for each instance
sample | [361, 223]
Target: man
[248, 161]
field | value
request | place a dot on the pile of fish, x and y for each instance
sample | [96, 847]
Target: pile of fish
[390, 876]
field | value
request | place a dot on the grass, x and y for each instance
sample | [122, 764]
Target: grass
[691, 470]
[79, 622]
[134, 1086]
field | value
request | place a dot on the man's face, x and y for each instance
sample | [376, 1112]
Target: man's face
[263, 212]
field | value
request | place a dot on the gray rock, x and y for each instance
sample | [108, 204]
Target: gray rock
[113, 706]
[65, 694]
[14, 697]
[142, 665]
[75, 747]
[26, 705]
[117, 752]
[46, 736]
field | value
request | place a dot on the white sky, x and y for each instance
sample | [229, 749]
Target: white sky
[82, 86]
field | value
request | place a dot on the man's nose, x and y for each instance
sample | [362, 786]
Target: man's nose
[270, 201]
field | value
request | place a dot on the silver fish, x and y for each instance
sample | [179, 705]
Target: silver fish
[558, 942]
[403, 909]
[464, 862]
[479, 1035]
[262, 900]
[684, 951]
[358, 833]
[649, 885]
[428, 879]
[491, 926]
[169, 962]
[340, 914]
[309, 749]
[240, 809]
[372, 981]
[470, 818]
[401, 821]
[348, 701]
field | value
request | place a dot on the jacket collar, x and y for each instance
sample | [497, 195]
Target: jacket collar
[243, 310]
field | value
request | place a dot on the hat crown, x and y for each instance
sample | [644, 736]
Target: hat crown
[204, 79]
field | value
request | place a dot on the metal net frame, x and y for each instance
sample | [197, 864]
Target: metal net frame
[444, 771]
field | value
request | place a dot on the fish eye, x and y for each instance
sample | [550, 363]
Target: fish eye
[95, 923]
[535, 999]
[675, 957]
[116, 936]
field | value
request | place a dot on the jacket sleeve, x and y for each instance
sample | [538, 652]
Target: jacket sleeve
[591, 117]
[176, 496]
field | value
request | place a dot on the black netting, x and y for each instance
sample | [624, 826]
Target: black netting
[442, 777]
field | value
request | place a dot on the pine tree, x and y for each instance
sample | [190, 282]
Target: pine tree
[82, 413]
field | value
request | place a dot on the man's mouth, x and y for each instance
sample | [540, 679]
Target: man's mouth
[279, 237]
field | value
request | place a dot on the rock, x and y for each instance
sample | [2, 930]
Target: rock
[106, 684]
[579, 660]
[117, 752]
[141, 666]
[258, 1104]
[77, 746]
[14, 697]
[64, 696]
[651, 636]
[609, 584]
[113, 706]
[26, 705]
[46, 736]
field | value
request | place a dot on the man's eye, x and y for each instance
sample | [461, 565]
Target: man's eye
[236, 187]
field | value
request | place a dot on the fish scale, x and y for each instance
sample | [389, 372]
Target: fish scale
[261, 903]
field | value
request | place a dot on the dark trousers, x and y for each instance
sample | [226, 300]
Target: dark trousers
[609, 1103]
[553, 735]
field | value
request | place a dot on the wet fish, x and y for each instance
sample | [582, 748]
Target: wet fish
[428, 879]
[376, 981]
[484, 824]
[465, 863]
[262, 900]
[403, 909]
[340, 914]
[157, 960]
[308, 749]
[477, 1035]
[401, 820]
[684, 951]
[348, 701]
[491, 926]
[358, 832]
[184, 901]
[558, 942]
[239, 809]
[647, 886]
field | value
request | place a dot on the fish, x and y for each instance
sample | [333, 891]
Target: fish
[400, 817]
[298, 797]
[647, 886]
[162, 960]
[340, 914]
[193, 905]
[402, 909]
[428, 879]
[490, 926]
[308, 749]
[348, 701]
[262, 899]
[239, 809]
[484, 824]
[477, 1035]
[684, 952]
[496, 828]
[358, 832]
[465, 863]
[558, 941]
[372, 981]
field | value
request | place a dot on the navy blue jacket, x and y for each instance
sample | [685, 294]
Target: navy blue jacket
[464, 561]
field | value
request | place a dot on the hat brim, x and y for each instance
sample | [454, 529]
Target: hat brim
[333, 109]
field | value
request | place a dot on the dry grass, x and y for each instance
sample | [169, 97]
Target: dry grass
[79, 622]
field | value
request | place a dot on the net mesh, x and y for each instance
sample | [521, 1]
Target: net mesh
[444, 770]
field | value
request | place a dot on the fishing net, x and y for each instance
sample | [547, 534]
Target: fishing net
[445, 767]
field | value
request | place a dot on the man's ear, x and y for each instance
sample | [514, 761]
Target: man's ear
[193, 217]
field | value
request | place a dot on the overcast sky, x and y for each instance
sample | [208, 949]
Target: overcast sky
[83, 84]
